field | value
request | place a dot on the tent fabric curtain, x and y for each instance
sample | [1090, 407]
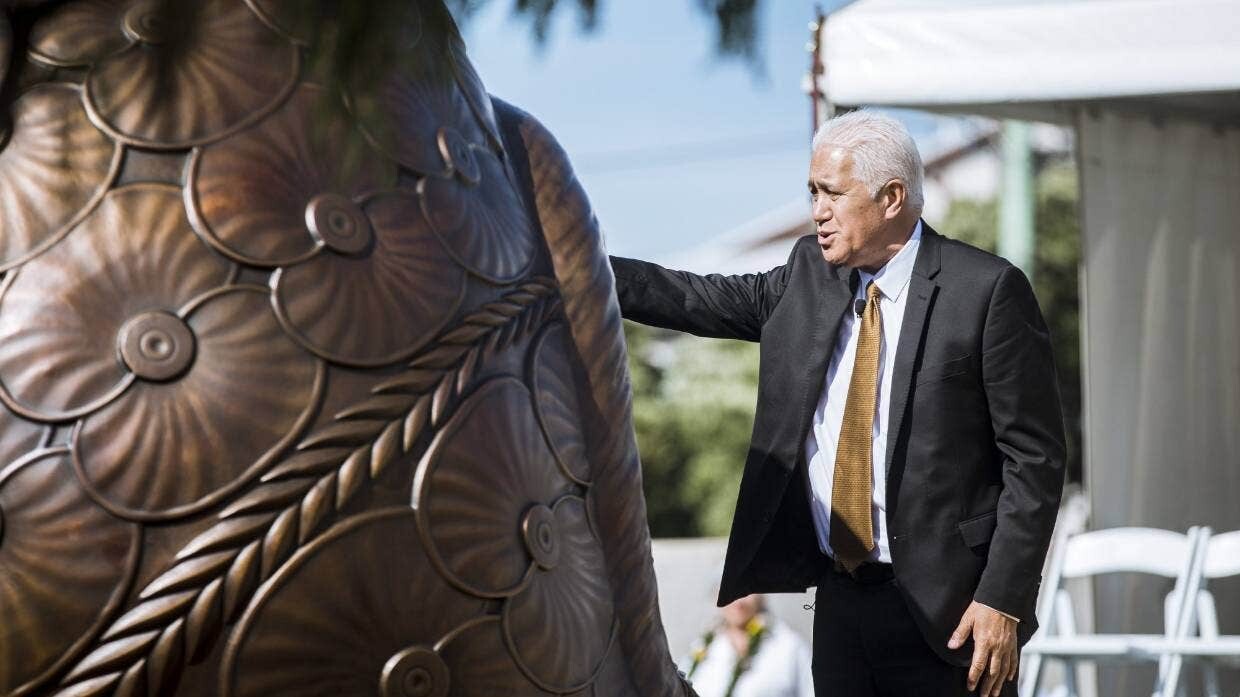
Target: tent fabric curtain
[1161, 305]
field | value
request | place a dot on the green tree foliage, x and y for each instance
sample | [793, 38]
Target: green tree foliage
[693, 407]
[693, 398]
[1056, 276]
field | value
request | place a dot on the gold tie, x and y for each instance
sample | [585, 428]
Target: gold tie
[852, 532]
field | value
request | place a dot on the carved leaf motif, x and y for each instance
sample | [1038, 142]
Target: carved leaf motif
[191, 573]
[306, 463]
[151, 613]
[226, 534]
[241, 580]
[166, 660]
[113, 655]
[267, 498]
[204, 621]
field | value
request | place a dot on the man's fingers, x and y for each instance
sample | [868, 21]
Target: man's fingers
[988, 682]
[1001, 678]
[962, 632]
[977, 667]
[994, 676]
[1013, 664]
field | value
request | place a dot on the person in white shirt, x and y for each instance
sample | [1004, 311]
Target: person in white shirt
[749, 653]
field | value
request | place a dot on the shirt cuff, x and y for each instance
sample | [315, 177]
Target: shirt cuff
[1001, 612]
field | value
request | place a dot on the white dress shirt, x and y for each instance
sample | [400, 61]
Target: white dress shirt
[821, 442]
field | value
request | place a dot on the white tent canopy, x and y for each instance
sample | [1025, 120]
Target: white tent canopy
[1027, 58]
[1152, 88]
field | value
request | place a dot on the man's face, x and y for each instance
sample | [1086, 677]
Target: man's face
[848, 219]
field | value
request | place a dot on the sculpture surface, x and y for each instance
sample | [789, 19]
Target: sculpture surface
[312, 380]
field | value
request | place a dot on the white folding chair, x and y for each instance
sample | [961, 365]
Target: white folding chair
[1219, 558]
[1117, 550]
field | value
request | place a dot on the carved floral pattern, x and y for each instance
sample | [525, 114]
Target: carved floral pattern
[249, 392]
[174, 80]
[521, 533]
[206, 377]
[181, 337]
[77, 33]
[404, 115]
[54, 166]
[481, 220]
[572, 599]
[248, 194]
[68, 305]
[401, 273]
[327, 623]
[52, 538]
[474, 531]
[555, 376]
[215, 574]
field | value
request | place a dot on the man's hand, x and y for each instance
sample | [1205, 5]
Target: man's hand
[994, 647]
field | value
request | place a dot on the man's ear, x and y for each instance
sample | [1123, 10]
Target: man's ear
[894, 196]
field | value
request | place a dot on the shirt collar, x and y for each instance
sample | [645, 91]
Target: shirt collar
[893, 278]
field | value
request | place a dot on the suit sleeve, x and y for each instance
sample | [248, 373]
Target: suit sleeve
[714, 305]
[1018, 372]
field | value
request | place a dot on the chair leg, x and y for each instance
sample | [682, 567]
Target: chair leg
[1031, 676]
[1069, 678]
[1209, 678]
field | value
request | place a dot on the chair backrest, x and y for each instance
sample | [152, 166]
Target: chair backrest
[1223, 555]
[1135, 550]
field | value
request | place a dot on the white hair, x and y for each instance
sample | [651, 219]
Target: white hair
[881, 148]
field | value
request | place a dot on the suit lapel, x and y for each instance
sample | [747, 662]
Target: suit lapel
[834, 298]
[922, 290]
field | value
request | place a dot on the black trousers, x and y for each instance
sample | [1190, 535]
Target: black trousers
[867, 644]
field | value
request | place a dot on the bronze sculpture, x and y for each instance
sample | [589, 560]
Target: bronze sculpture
[312, 383]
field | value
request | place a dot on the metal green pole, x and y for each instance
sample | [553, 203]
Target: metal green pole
[1016, 203]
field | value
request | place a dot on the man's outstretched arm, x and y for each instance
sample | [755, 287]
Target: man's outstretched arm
[726, 307]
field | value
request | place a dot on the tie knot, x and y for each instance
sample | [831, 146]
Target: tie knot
[872, 291]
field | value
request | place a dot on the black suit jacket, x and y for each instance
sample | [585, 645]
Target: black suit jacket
[975, 446]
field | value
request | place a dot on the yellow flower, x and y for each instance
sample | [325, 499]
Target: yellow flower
[754, 626]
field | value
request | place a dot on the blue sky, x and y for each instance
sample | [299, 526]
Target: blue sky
[673, 144]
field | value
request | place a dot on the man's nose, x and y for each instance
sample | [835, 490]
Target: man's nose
[821, 210]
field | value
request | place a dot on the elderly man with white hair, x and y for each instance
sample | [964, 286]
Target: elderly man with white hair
[907, 456]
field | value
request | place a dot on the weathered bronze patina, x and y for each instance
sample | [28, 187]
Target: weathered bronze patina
[312, 379]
